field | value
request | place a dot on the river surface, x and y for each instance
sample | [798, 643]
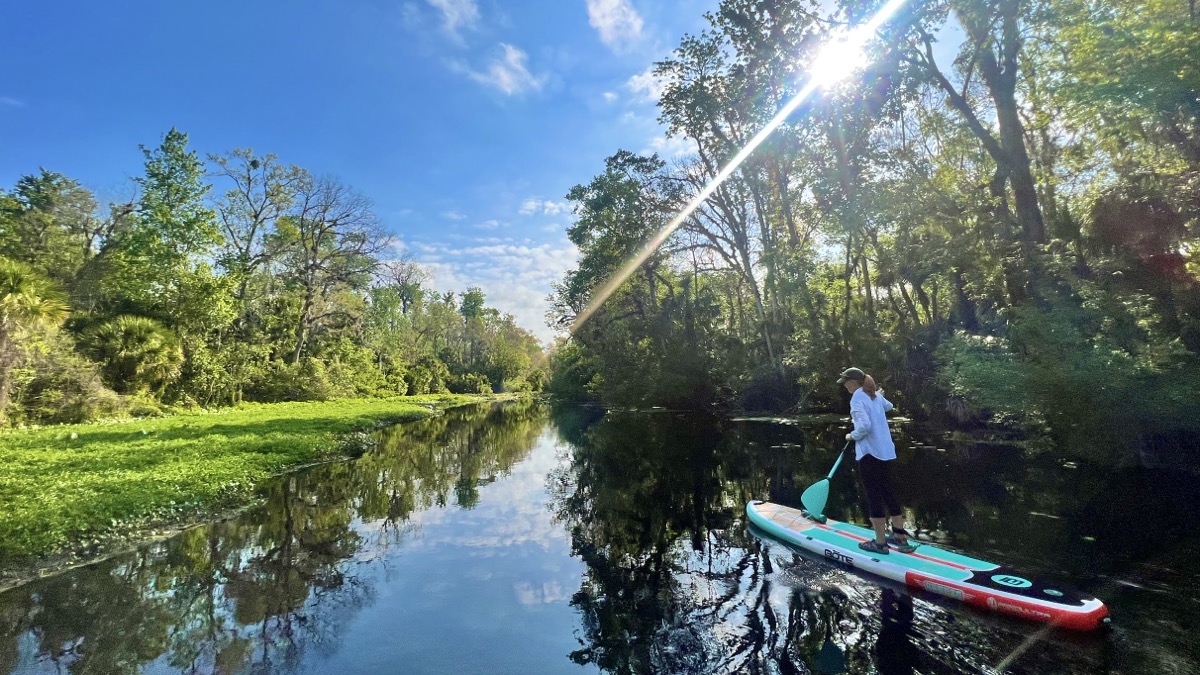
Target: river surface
[512, 539]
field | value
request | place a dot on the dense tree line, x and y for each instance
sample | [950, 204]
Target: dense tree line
[242, 278]
[1012, 235]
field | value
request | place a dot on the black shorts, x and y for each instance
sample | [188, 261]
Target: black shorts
[877, 483]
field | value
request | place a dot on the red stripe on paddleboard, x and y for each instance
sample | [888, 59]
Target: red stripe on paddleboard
[914, 554]
[1065, 617]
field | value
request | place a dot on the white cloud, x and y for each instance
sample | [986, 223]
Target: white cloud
[610, 97]
[454, 215]
[515, 278]
[647, 84]
[456, 14]
[535, 206]
[490, 225]
[672, 146]
[508, 73]
[617, 21]
[640, 123]
[11, 102]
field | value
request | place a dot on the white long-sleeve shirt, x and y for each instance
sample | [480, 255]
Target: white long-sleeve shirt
[871, 434]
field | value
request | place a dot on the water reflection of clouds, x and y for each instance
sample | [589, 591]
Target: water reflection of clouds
[543, 594]
[480, 573]
[511, 512]
[509, 539]
[437, 587]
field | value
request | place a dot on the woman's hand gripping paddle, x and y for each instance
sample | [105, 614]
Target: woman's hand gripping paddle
[817, 494]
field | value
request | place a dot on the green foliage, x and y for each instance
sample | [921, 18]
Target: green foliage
[1065, 369]
[427, 376]
[28, 301]
[31, 308]
[471, 303]
[306, 380]
[983, 372]
[204, 302]
[272, 290]
[1134, 67]
[572, 373]
[48, 222]
[469, 383]
[137, 354]
[1014, 239]
[173, 221]
[354, 372]
[62, 387]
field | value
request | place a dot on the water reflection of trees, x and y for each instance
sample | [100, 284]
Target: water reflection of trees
[676, 584]
[671, 585]
[257, 592]
[653, 504]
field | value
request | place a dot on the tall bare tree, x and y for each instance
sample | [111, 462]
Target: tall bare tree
[331, 238]
[263, 191]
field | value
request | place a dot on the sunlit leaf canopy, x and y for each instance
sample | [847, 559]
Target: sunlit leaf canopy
[845, 52]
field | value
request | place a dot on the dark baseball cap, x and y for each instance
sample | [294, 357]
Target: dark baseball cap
[852, 374]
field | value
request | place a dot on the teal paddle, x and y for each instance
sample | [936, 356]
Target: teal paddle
[817, 494]
[831, 660]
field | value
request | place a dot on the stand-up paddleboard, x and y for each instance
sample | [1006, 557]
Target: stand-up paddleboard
[975, 582]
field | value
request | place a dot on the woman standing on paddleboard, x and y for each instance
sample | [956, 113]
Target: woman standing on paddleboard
[873, 449]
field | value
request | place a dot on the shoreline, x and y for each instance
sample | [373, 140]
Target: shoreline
[93, 547]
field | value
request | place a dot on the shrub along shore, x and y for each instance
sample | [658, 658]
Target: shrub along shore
[75, 493]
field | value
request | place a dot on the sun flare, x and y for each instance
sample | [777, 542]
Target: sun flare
[844, 54]
[839, 59]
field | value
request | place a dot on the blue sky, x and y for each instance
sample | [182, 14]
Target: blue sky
[465, 121]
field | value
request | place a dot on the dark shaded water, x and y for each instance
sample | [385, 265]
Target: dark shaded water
[505, 539]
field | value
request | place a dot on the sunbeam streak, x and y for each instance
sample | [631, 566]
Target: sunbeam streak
[843, 54]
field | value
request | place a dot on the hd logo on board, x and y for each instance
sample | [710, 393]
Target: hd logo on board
[1011, 581]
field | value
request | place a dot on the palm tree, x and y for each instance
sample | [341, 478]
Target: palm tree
[29, 304]
[136, 352]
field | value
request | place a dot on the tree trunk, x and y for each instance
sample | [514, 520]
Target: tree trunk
[908, 302]
[766, 331]
[1000, 76]
[761, 210]
[760, 310]
[898, 309]
[806, 297]
[867, 289]
[785, 203]
[1019, 170]
[933, 292]
[964, 307]
[849, 270]
[923, 298]
[7, 363]
[302, 325]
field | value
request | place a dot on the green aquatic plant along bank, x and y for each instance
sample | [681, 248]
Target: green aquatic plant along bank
[73, 489]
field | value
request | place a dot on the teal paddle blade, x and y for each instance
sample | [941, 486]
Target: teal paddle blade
[815, 496]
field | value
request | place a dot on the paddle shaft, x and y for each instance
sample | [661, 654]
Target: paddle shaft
[839, 461]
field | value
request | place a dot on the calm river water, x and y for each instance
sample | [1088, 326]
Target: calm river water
[513, 539]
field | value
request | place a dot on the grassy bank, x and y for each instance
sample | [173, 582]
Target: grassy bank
[75, 489]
